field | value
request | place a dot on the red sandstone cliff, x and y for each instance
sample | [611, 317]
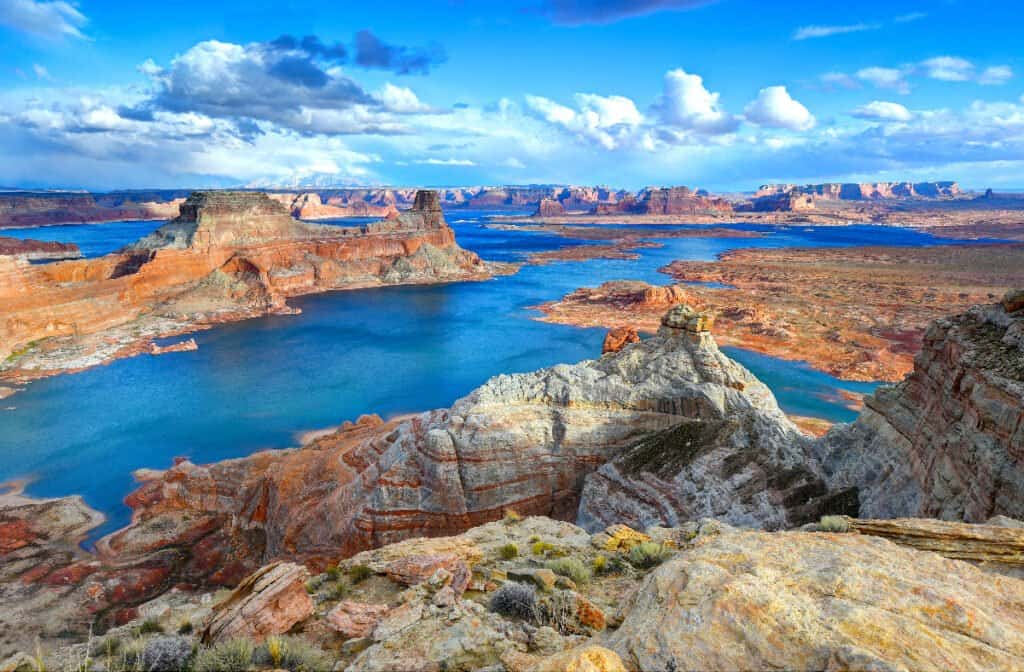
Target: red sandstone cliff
[227, 256]
[662, 201]
[19, 209]
[38, 250]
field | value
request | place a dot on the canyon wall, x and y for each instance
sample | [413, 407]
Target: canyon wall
[947, 441]
[665, 201]
[21, 209]
[228, 255]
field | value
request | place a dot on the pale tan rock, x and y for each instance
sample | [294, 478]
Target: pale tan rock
[414, 570]
[355, 619]
[268, 602]
[589, 658]
[813, 601]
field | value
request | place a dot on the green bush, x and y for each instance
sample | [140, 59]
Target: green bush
[185, 627]
[600, 564]
[231, 656]
[333, 573]
[573, 568]
[833, 524]
[291, 653]
[648, 554]
[151, 626]
[541, 547]
[512, 516]
[508, 551]
[359, 573]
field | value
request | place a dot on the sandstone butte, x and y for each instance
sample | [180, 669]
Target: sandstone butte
[855, 313]
[227, 256]
[37, 250]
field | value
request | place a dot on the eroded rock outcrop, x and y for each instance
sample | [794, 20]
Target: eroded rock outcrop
[227, 256]
[269, 602]
[811, 601]
[665, 201]
[948, 441]
[524, 441]
[38, 250]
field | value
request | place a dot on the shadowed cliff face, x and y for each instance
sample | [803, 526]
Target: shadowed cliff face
[227, 256]
[948, 441]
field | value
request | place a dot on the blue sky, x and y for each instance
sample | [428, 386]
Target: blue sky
[722, 94]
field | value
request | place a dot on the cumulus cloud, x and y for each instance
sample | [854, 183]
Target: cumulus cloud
[775, 108]
[808, 32]
[885, 78]
[687, 105]
[578, 12]
[880, 110]
[56, 19]
[401, 100]
[948, 68]
[446, 162]
[995, 75]
[372, 52]
[611, 121]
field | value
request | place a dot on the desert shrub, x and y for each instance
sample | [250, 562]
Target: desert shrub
[534, 538]
[234, 655]
[559, 611]
[169, 653]
[185, 627]
[291, 653]
[333, 573]
[599, 564]
[313, 584]
[833, 524]
[337, 592]
[151, 626]
[648, 554]
[512, 516]
[541, 547]
[573, 568]
[508, 551]
[359, 573]
[518, 600]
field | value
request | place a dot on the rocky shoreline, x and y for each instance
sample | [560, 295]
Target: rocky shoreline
[228, 256]
[660, 434]
[854, 313]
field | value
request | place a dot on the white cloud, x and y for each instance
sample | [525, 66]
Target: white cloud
[807, 32]
[775, 108]
[885, 78]
[948, 68]
[836, 80]
[55, 19]
[401, 100]
[611, 121]
[687, 105]
[446, 162]
[880, 110]
[995, 75]
[512, 162]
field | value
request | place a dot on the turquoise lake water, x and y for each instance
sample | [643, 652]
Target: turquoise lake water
[257, 384]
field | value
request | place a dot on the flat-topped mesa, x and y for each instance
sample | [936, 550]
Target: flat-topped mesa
[666, 201]
[227, 218]
[549, 207]
[865, 191]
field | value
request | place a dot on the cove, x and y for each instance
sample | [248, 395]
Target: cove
[255, 385]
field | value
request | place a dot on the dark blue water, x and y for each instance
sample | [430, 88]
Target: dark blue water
[94, 240]
[256, 384]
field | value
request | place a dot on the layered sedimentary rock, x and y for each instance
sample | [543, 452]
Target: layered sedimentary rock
[948, 441]
[228, 255]
[18, 209]
[524, 441]
[851, 191]
[310, 205]
[855, 313]
[665, 201]
[748, 468]
[549, 207]
[38, 250]
[810, 601]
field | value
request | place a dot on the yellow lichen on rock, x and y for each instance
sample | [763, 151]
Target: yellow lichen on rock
[585, 659]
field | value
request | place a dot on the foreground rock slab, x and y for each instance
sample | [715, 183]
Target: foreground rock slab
[815, 601]
[269, 602]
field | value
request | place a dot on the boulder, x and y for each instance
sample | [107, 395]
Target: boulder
[618, 338]
[268, 602]
[746, 600]
[355, 619]
[588, 658]
[416, 569]
[544, 579]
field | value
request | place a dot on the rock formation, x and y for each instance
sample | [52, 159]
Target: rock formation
[665, 201]
[549, 207]
[618, 338]
[736, 600]
[947, 441]
[19, 209]
[269, 602]
[524, 441]
[834, 191]
[227, 256]
[38, 250]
